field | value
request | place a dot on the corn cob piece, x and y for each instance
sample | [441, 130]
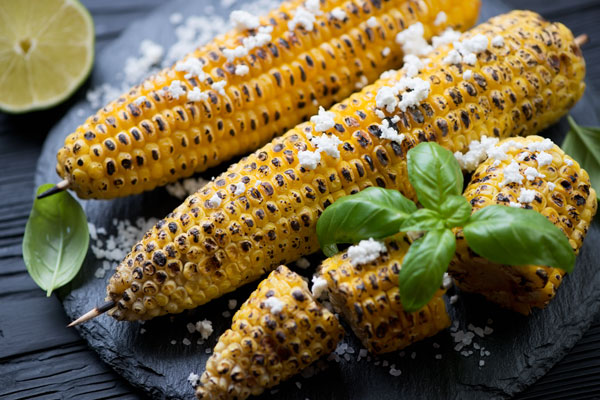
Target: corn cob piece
[149, 137]
[563, 195]
[368, 297]
[262, 212]
[276, 333]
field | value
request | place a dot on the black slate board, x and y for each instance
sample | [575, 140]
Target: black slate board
[522, 349]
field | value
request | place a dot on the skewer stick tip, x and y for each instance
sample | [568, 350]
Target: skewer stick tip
[93, 313]
[581, 39]
[59, 187]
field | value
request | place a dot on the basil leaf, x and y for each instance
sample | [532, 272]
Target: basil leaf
[56, 240]
[373, 213]
[583, 144]
[434, 173]
[516, 236]
[422, 220]
[456, 210]
[423, 268]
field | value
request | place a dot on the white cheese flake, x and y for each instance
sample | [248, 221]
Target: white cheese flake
[544, 158]
[498, 41]
[136, 68]
[243, 20]
[338, 13]
[412, 65]
[569, 162]
[219, 87]
[214, 201]
[319, 287]
[304, 18]
[386, 98]
[470, 59]
[274, 304]
[412, 41]
[543, 145]
[327, 144]
[365, 251]
[512, 174]
[387, 132]
[309, 159]
[361, 83]
[452, 58]
[242, 70]
[386, 51]
[478, 152]
[193, 67]
[372, 22]
[447, 37]
[240, 188]
[138, 102]
[468, 74]
[453, 299]
[440, 19]
[197, 95]
[532, 173]
[175, 89]
[323, 120]
[232, 54]
[515, 204]
[551, 186]
[193, 379]
[417, 90]
[526, 195]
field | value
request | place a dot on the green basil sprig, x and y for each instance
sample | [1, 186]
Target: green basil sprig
[583, 144]
[56, 240]
[501, 234]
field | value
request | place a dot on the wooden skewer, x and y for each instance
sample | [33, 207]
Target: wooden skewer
[101, 309]
[59, 187]
[582, 39]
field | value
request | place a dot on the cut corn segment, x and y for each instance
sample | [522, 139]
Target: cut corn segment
[161, 131]
[369, 299]
[563, 195]
[262, 212]
[276, 333]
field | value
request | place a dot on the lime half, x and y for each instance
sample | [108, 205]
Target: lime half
[46, 52]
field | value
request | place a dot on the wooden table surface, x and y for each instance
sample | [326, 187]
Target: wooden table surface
[41, 358]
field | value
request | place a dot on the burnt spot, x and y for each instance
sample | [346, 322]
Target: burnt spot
[566, 184]
[464, 116]
[382, 156]
[347, 174]
[159, 258]
[110, 167]
[89, 135]
[443, 126]
[480, 80]
[579, 199]
[456, 96]
[126, 163]
[110, 145]
[161, 124]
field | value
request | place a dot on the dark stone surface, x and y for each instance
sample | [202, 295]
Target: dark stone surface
[522, 349]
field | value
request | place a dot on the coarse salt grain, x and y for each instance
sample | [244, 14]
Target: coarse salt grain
[440, 18]
[526, 195]
[394, 371]
[365, 251]
[274, 304]
[186, 341]
[309, 159]
[205, 328]
[226, 314]
[303, 263]
[232, 304]
[191, 327]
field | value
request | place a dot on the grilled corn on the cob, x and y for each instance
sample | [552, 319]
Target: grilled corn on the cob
[563, 194]
[151, 136]
[368, 297]
[276, 333]
[262, 212]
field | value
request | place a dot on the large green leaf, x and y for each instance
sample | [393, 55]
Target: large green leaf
[56, 240]
[583, 144]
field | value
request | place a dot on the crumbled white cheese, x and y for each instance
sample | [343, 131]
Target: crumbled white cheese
[417, 90]
[499, 152]
[568, 162]
[386, 98]
[242, 70]
[512, 174]
[515, 204]
[309, 159]
[240, 188]
[175, 89]
[447, 37]
[232, 54]
[365, 251]
[526, 195]
[261, 38]
[387, 132]
[468, 74]
[476, 44]
[205, 328]
[138, 102]
[478, 152]
[175, 18]
[193, 67]
[551, 186]
[274, 304]
[379, 113]
[215, 201]
[498, 41]
[243, 20]
[470, 59]
[452, 58]
[361, 83]
[412, 41]
[412, 65]
[193, 379]
[372, 22]
[197, 95]
[338, 13]
[219, 87]
[543, 145]
[440, 18]
[323, 120]
[328, 144]
[544, 158]
[532, 173]
[303, 18]
[314, 6]
[386, 51]
[319, 287]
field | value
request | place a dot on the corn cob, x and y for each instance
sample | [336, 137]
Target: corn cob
[563, 195]
[267, 345]
[149, 137]
[262, 212]
[368, 297]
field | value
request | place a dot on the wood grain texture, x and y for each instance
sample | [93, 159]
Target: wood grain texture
[40, 359]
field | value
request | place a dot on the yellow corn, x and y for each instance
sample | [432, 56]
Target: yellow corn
[262, 212]
[564, 196]
[369, 299]
[265, 345]
[137, 143]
